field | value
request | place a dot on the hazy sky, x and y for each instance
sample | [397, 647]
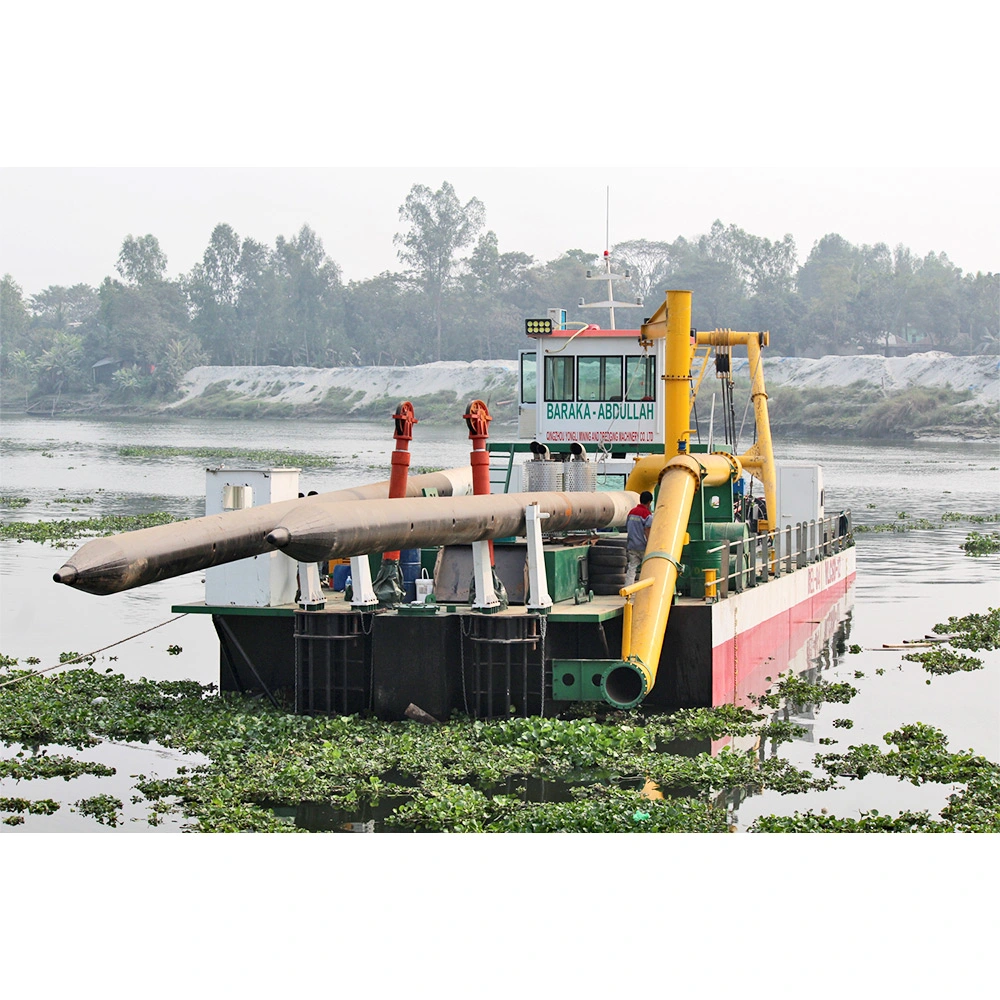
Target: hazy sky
[779, 119]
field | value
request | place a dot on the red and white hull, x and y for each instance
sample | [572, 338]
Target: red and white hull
[779, 626]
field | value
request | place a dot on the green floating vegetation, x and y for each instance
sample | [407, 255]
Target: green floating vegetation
[904, 522]
[601, 809]
[953, 515]
[921, 756]
[625, 771]
[900, 525]
[977, 544]
[14, 502]
[57, 532]
[869, 822]
[105, 809]
[945, 661]
[799, 691]
[262, 456]
[22, 768]
[458, 776]
[38, 807]
[973, 631]
[7, 445]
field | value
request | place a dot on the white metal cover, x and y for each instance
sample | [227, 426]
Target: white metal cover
[261, 581]
[800, 492]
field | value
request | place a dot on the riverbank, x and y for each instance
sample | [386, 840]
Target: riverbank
[929, 396]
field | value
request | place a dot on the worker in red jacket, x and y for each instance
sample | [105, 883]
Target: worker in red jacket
[640, 519]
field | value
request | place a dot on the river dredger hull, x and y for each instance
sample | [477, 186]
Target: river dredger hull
[461, 662]
[722, 653]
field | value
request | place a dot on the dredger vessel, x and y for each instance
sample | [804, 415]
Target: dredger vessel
[500, 587]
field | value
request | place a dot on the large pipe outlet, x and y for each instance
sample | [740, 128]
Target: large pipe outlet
[623, 685]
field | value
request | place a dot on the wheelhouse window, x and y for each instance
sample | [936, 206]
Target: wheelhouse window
[529, 377]
[599, 378]
[640, 378]
[559, 380]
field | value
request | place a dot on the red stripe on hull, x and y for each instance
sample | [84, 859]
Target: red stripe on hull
[756, 644]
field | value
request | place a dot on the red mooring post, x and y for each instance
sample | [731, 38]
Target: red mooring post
[404, 418]
[477, 418]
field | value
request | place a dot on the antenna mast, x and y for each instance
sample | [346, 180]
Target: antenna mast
[608, 275]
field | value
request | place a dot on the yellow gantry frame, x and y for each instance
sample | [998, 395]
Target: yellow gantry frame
[676, 476]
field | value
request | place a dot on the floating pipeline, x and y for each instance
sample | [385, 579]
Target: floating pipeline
[133, 559]
[336, 530]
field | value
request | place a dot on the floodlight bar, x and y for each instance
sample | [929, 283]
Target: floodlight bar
[534, 327]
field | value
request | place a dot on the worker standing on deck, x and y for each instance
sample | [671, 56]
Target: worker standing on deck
[640, 519]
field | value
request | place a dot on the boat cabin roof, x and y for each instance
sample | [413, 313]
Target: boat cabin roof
[587, 331]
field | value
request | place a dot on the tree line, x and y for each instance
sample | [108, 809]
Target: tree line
[459, 297]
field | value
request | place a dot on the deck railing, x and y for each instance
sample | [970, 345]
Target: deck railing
[771, 553]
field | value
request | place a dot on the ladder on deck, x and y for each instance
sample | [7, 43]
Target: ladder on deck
[501, 466]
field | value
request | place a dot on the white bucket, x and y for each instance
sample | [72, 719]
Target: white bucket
[424, 587]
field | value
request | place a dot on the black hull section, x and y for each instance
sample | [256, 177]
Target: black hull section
[484, 666]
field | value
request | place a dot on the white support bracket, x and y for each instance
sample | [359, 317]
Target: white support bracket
[486, 597]
[538, 588]
[364, 598]
[310, 591]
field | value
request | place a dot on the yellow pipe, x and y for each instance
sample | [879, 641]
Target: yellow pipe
[718, 468]
[759, 458]
[677, 370]
[645, 473]
[634, 588]
[628, 681]
[670, 322]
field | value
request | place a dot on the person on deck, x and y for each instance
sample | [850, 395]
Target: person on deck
[640, 519]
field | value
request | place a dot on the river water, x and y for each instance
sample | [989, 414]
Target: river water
[906, 583]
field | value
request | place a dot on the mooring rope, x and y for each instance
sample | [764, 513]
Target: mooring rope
[86, 656]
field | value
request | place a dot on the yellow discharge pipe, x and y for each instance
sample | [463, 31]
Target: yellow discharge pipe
[626, 682]
[759, 458]
[647, 470]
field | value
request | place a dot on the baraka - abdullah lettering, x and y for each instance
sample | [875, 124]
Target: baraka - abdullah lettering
[599, 411]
